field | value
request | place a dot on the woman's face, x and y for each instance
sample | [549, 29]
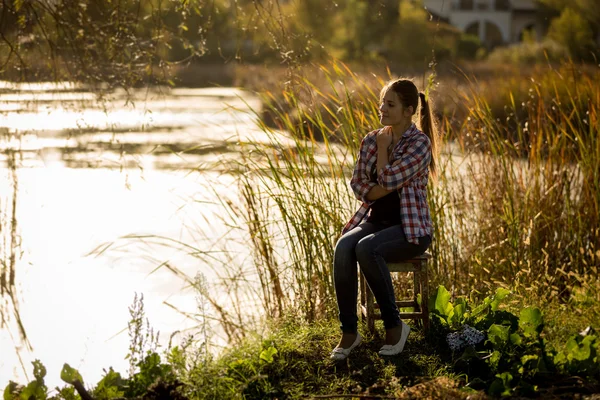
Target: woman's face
[391, 110]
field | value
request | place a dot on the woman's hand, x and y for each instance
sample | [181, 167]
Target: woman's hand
[384, 138]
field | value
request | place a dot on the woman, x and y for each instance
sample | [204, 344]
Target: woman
[393, 223]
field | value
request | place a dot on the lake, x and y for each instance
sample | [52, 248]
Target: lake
[124, 194]
[109, 188]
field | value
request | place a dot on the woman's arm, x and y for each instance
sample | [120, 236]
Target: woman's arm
[360, 183]
[377, 192]
[415, 159]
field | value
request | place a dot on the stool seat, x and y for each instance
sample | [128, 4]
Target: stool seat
[417, 266]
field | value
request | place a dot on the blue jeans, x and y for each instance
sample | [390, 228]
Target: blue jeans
[371, 244]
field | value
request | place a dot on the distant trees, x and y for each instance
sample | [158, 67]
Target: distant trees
[117, 41]
[127, 42]
[576, 26]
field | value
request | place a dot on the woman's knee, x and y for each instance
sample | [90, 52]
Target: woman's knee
[344, 251]
[365, 247]
[345, 245]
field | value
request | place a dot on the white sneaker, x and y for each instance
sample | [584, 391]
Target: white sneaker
[392, 350]
[340, 353]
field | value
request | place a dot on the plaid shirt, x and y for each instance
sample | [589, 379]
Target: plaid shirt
[407, 172]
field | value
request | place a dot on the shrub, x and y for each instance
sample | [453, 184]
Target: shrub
[529, 53]
[467, 46]
[575, 33]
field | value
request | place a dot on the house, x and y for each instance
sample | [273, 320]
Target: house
[495, 22]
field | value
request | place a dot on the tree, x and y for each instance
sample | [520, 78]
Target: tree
[575, 33]
[116, 42]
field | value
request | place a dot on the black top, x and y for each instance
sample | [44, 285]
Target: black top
[386, 209]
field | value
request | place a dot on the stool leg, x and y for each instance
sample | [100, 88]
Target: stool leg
[425, 296]
[416, 291]
[363, 296]
[370, 309]
[416, 288]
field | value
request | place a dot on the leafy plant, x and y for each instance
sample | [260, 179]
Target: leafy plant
[515, 357]
[35, 390]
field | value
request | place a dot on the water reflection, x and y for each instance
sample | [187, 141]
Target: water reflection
[93, 170]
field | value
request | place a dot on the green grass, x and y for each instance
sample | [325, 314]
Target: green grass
[301, 367]
[515, 206]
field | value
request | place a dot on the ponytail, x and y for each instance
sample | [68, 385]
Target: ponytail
[429, 127]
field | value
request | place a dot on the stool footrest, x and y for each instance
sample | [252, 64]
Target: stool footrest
[402, 303]
[369, 310]
[408, 315]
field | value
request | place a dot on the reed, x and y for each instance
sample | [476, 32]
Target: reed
[10, 253]
[302, 187]
[515, 205]
[533, 187]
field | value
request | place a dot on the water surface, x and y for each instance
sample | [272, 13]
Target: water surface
[126, 169]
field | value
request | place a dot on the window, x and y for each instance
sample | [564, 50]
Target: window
[483, 5]
[502, 5]
[465, 5]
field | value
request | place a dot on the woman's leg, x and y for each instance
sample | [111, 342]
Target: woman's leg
[372, 252]
[345, 275]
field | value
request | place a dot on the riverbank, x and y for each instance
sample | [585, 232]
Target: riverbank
[507, 214]
[290, 361]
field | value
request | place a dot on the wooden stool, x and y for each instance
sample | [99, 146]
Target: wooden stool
[418, 266]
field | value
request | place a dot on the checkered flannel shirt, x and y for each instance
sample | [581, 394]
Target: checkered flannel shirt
[407, 172]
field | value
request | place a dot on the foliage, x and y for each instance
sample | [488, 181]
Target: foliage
[290, 361]
[529, 53]
[119, 43]
[516, 358]
[467, 46]
[588, 9]
[575, 33]
[149, 377]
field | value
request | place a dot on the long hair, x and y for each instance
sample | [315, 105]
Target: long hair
[409, 95]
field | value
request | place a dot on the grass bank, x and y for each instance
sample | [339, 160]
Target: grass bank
[515, 208]
[290, 360]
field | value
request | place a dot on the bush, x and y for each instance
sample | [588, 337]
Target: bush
[530, 53]
[467, 46]
[575, 33]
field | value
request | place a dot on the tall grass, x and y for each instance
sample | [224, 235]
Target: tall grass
[516, 202]
[297, 198]
[533, 190]
[10, 248]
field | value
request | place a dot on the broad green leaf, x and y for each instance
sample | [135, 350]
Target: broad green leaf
[578, 351]
[515, 338]
[529, 358]
[531, 321]
[442, 303]
[501, 385]
[70, 375]
[482, 307]
[34, 390]
[39, 371]
[110, 386]
[560, 358]
[506, 378]
[500, 294]
[10, 390]
[494, 359]
[267, 354]
[498, 335]
[458, 313]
